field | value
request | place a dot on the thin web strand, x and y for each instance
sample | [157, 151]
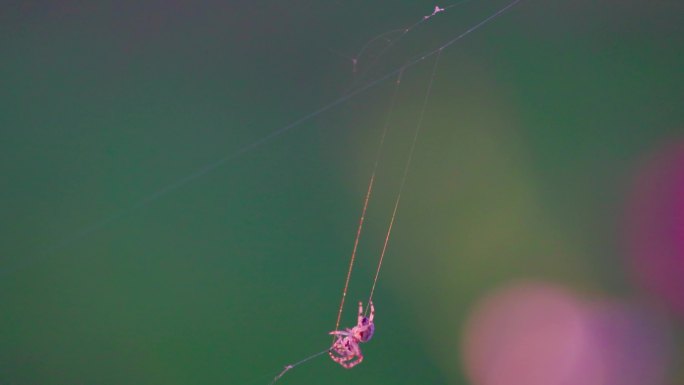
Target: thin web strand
[407, 166]
[373, 83]
[369, 191]
[292, 366]
[207, 168]
[392, 42]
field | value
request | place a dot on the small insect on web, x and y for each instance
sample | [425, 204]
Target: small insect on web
[345, 348]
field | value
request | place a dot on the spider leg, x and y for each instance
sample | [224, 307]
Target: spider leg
[340, 347]
[342, 360]
[350, 363]
[341, 351]
[343, 333]
[345, 351]
[372, 309]
[360, 317]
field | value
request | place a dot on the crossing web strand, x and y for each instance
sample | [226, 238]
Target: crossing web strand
[369, 191]
[407, 166]
[400, 33]
[419, 126]
[207, 168]
[289, 367]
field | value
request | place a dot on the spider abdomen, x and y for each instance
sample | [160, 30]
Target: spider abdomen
[367, 333]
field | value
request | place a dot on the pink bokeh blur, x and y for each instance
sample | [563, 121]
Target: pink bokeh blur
[543, 334]
[654, 225]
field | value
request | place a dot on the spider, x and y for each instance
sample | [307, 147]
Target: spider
[345, 350]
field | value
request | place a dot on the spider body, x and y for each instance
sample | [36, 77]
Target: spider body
[345, 350]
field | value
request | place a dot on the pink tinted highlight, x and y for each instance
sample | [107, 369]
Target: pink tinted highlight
[529, 334]
[632, 342]
[654, 225]
[538, 333]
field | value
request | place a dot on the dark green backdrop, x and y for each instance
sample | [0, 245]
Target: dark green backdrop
[137, 246]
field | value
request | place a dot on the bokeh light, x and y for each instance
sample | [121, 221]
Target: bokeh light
[655, 224]
[632, 341]
[538, 333]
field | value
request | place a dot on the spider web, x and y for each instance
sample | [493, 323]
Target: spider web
[368, 75]
[418, 128]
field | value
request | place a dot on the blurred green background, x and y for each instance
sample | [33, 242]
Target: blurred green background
[136, 249]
